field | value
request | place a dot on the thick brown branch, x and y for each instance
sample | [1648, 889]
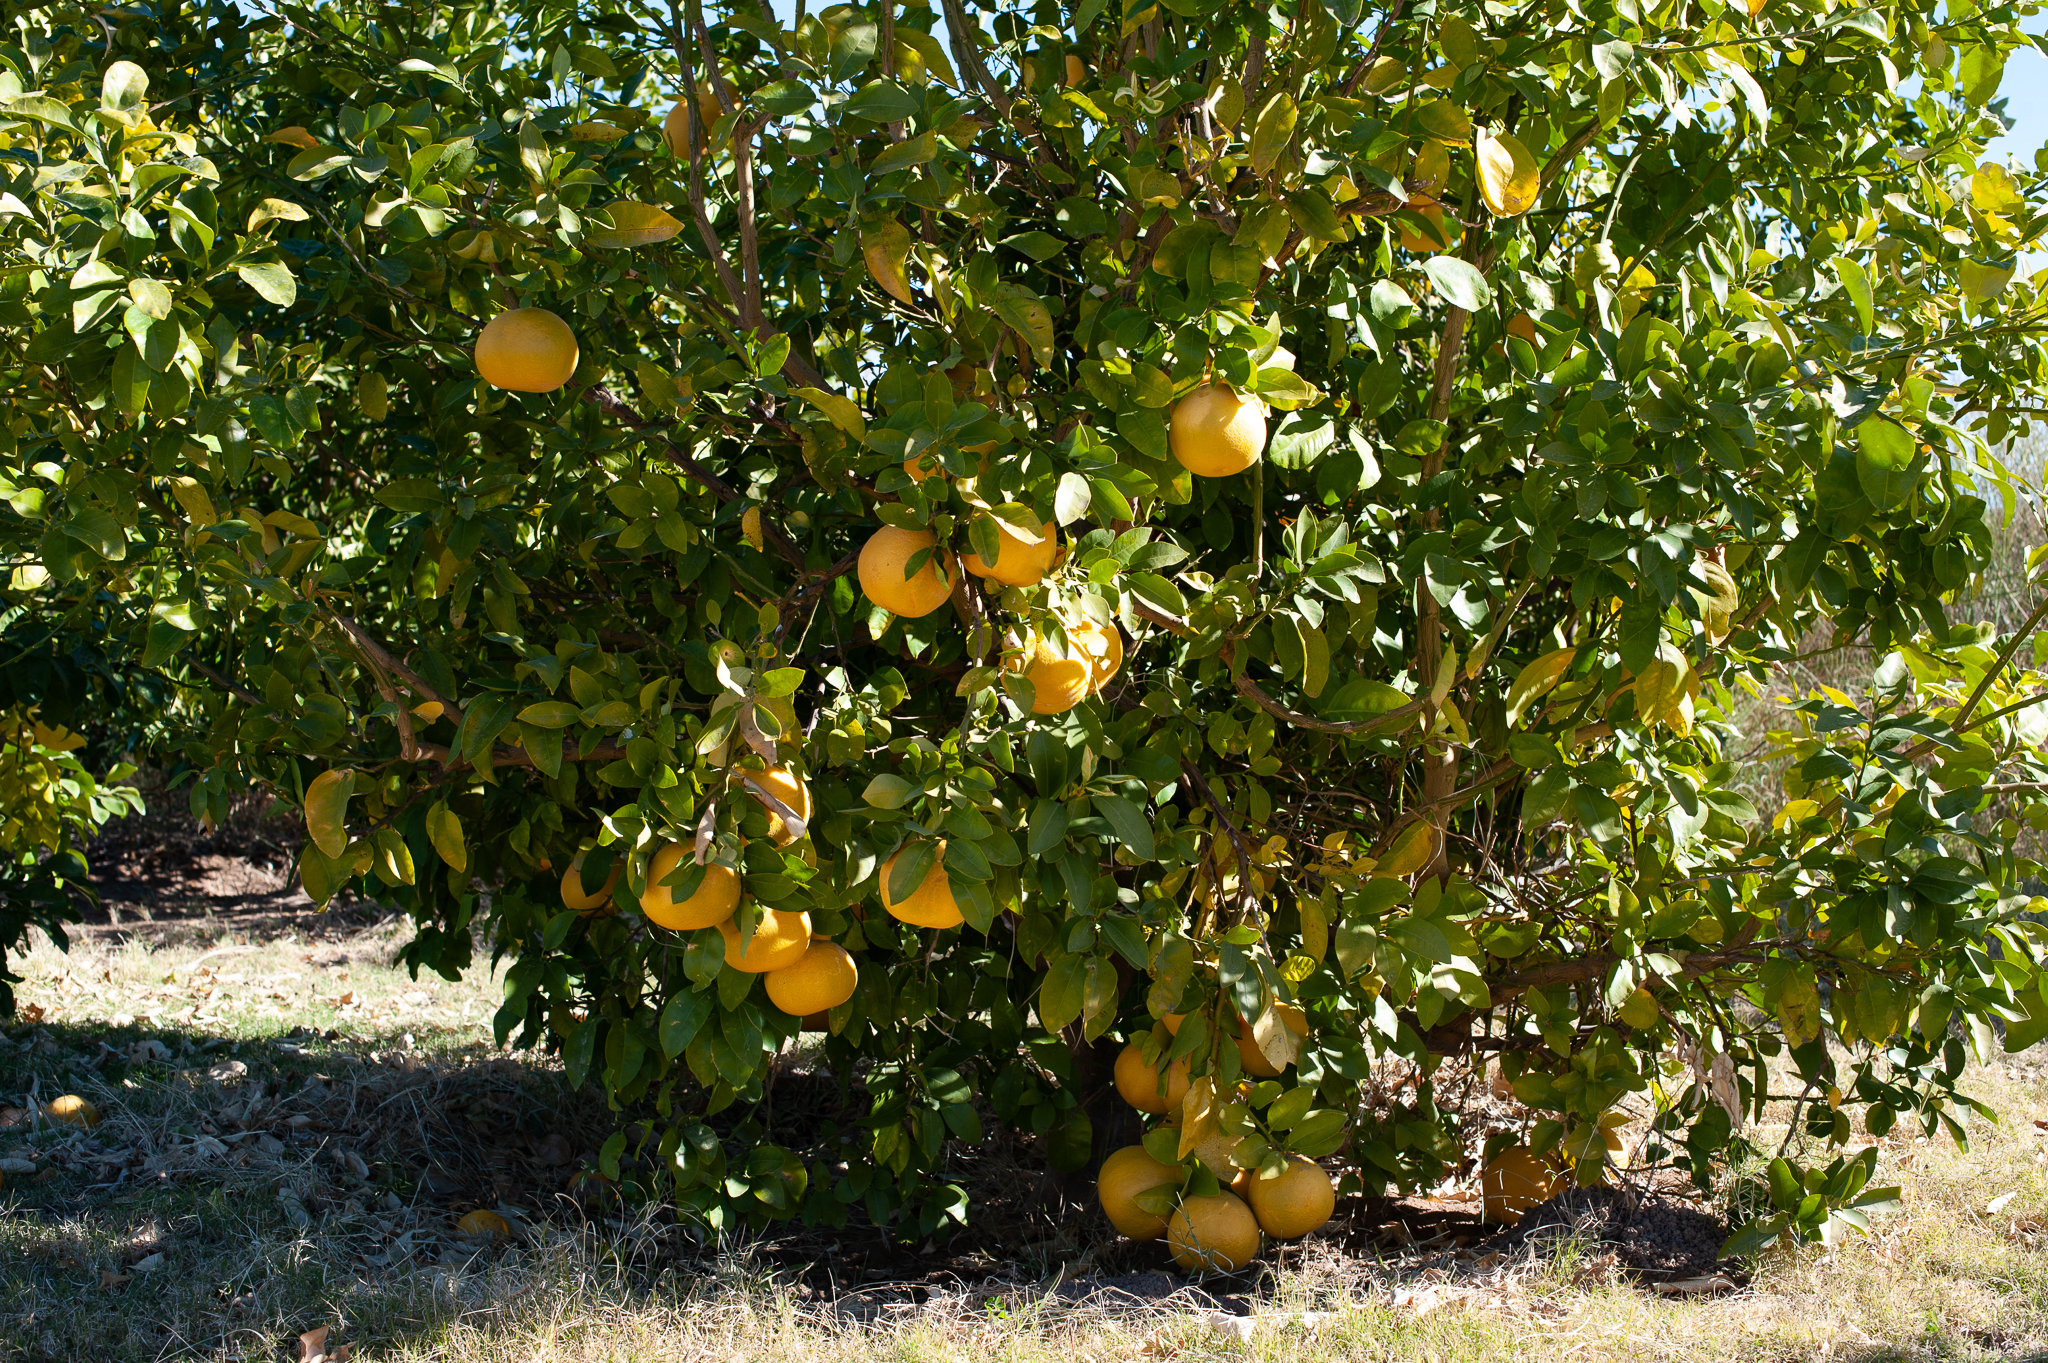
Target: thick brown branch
[966, 39]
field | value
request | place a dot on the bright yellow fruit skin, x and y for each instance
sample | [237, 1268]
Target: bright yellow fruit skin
[526, 350]
[1125, 1174]
[780, 940]
[72, 1110]
[1216, 1234]
[574, 896]
[1298, 1201]
[1216, 433]
[1103, 647]
[882, 560]
[1057, 684]
[931, 904]
[1018, 564]
[718, 894]
[821, 979]
[1138, 1083]
[786, 786]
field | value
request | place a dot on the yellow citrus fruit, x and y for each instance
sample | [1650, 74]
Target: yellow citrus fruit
[780, 940]
[1296, 1202]
[786, 786]
[72, 1110]
[1058, 683]
[675, 126]
[574, 896]
[1512, 1182]
[882, 561]
[1214, 1234]
[1216, 432]
[481, 1222]
[923, 466]
[1142, 1086]
[1252, 1058]
[1173, 1022]
[1125, 1174]
[526, 350]
[1077, 70]
[931, 904]
[1018, 563]
[1103, 647]
[820, 980]
[717, 895]
[1524, 326]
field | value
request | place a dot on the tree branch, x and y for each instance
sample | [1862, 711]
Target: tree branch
[1252, 692]
[1245, 895]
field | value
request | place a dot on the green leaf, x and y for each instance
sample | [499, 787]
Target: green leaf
[1459, 281]
[912, 151]
[1133, 829]
[1026, 314]
[123, 86]
[685, 1016]
[550, 714]
[1072, 500]
[888, 792]
[272, 280]
[881, 101]
[444, 830]
[1856, 283]
[1886, 468]
[1273, 131]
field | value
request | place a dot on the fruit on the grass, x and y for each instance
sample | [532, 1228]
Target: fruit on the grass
[576, 897]
[481, 1222]
[526, 350]
[1059, 681]
[716, 896]
[1019, 563]
[820, 980]
[1213, 1234]
[786, 786]
[72, 1110]
[1512, 1182]
[1125, 1174]
[1144, 1088]
[882, 561]
[1296, 1201]
[779, 941]
[931, 904]
[1215, 431]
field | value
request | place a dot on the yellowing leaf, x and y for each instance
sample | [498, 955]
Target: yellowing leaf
[294, 136]
[327, 810]
[1719, 601]
[276, 210]
[1275, 1037]
[444, 830]
[844, 412]
[885, 247]
[1198, 1115]
[633, 224]
[1535, 680]
[1273, 131]
[595, 132]
[192, 497]
[750, 528]
[1508, 176]
[1756, 7]
[1412, 850]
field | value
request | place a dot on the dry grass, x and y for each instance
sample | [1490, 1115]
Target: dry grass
[296, 1162]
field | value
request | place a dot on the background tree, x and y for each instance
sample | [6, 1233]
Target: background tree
[1446, 417]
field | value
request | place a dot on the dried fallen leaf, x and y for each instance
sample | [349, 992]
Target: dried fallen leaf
[1692, 1287]
[150, 1264]
[2000, 1203]
[109, 1280]
[313, 1344]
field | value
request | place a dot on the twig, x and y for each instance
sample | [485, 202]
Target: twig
[1237, 842]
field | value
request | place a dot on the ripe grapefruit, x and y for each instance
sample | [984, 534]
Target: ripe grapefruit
[1143, 1087]
[1215, 432]
[716, 896]
[1125, 1174]
[72, 1110]
[574, 896]
[1058, 682]
[786, 786]
[526, 350]
[1213, 1234]
[675, 125]
[1019, 563]
[931, 904]
[1102, 646]
[1296, 1202]
[821, 979]
[1514, 1181]
[882, 561]
[780, 940]
[481, 1222]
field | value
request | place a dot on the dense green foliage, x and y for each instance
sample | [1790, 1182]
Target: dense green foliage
[1612, 349]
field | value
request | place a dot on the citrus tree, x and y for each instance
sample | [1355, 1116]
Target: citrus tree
[1221, 554]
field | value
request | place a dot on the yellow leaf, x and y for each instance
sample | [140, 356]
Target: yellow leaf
[327, 810]
[750, 528]
[1535, 680]
[1275, 1037]
[885, 246]
[276, 210]
[1508, 178]
[633, 224]
[843, 411]
[294, 136]
[595, 132]
[1412, 850]
[428, 711]
[1198, 1115]
[192, 497]
[1719, 601]
[1432, 170]
[444, 830]
[1756, 7]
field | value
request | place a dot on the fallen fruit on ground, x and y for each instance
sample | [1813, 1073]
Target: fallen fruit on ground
[526, 350]
[1216, 431]
[710, 904]
[482, 1222]
[72, 1110]
[1213, 1234]
[780, 940]
[1144, 1087]
[818, 981]
[1125, 1174]
[1294, 1202]
[931, 904]
[881, 566]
